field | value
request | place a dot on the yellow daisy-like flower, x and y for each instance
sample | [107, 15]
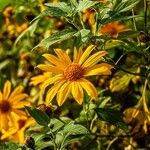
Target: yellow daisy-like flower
[69, 76]
[11, 105]
[16, 132]
[89, 16]
[113, 29]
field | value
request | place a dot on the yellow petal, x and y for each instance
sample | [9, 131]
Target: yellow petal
[3, 121]
[21, 104]
[50, 68]
[18, 98]
[54, 60]
[77, 55]
[7, 90]
[29, 122]
[40, 78]
[63, 93]
[95, 58]
[86, 54]
[63, 56]
[16, 91]
[16, 114]
[50, 81]
[99, 69]
[20, 136]
[1, 96]
[77, 92]
[92, 19]
[52, 91]
[88, 87]
[9, 133]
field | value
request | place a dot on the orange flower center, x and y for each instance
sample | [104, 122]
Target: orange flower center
[73, 72]
[5, 106]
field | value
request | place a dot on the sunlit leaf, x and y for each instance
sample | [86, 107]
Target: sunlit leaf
[75, 129]
[56, 37]
[85, 4]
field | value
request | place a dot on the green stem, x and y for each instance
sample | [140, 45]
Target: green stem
[82, 23]
[86, 113]
[145, 14]
[134, 24]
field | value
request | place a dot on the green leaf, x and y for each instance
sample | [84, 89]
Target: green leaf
[125, 5]
[82, 36]
[73, 3]
[58, 9]
[40, 116]
[113, 43]
[8, 146]
[56, 124]
[112, 116]
[56, 37]
[43, 145]
[120, 82]
[85, 4]
[75, 129]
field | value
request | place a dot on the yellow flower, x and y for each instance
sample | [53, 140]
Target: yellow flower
[113, 29]
[69, 76]
[39, 79]
[16, 132]
[11, 105]
[89, 15]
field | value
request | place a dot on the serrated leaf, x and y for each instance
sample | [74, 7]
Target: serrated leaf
[40, 116]
[85, 4]
[56, 37]
[75, 129]
[111, 116]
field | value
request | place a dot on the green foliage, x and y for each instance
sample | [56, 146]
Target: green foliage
[65, 25]
[112, 116]
[56, 37]
[40, 117]
[9, 146]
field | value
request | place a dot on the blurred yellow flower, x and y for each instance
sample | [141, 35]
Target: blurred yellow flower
[11, 105]
[89, 15]
[113, 29]
[69, 76]
[16, 132]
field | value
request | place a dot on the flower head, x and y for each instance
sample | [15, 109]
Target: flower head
[16, 132]
[69, 76]
[113, 29]
[11, 105]
[89, 15]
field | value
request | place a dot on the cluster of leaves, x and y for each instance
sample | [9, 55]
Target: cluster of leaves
[100, 124]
